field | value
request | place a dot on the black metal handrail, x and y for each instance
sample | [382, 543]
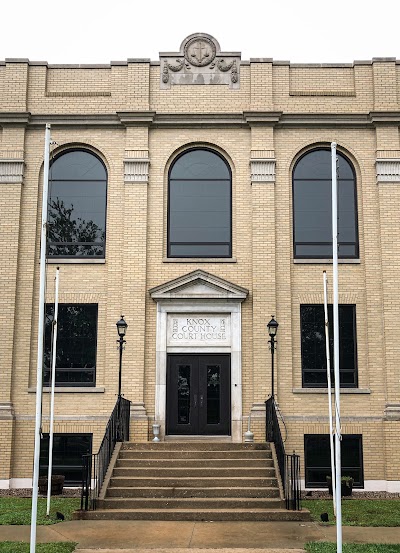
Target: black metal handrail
[95, 465]
[289, 465]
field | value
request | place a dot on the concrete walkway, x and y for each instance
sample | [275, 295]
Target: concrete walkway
[162, 537]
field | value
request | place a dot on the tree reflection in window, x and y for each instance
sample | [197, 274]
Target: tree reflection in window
[76, 344]
[77, 206]
[313, 352]
[213, 393]
[184, 394]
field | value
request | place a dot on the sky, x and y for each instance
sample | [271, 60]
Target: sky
[100, 31]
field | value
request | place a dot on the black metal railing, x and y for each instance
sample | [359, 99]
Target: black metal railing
[292, 482]
[289, 465]
[95, 465]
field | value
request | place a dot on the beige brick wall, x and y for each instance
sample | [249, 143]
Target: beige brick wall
[84, 103]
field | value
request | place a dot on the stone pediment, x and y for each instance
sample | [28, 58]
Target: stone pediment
[199, 62]
[199, 285]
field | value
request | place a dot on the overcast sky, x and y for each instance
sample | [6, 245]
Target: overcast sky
[90, 31]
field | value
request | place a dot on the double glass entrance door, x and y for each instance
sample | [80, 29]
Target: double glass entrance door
[198, 394]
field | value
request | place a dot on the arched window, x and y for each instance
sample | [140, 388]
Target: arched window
[199, 206]
[77, 205]
[312, 206]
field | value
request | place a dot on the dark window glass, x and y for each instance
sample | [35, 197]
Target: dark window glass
[76, 344]
[184, 373]
[312, 207]
[213, 394]
[199, 214]
[317, 459]
[313, 354]
[77, 206]
[67, 455]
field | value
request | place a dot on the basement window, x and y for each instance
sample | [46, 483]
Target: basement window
[317, 459]
[67, 455]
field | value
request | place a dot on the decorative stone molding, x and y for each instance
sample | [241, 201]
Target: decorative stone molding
[11, 171]
[392, 412]
[388, 170]
[6, 411]
[199, 61]
[200, 295]
[138, 410]
[136, 170]
[262, 170]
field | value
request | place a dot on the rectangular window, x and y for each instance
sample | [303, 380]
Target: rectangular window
[313, 354]
[76, 344]
[67, 455]
[317, 459]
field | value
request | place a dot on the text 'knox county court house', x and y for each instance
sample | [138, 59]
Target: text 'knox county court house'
[192, 195]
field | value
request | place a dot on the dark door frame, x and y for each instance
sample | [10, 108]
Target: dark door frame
[199, 406]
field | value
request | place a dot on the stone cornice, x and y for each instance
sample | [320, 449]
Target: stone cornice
[325, 119]
[387, 117]
[15, 118]
[136, 118]
[78, 120]
[238, 119]
[262, 117]
[199, 119]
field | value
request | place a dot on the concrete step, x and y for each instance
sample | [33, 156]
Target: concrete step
[178, 454]
[194, 446]
[190, 482]
[193, 492]
[195, 472]
[190, 503]
[195, 514]
[191, 463]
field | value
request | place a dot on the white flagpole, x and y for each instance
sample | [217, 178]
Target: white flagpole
[328, 374]
[336, 352]
[39, 372]
[53, 384]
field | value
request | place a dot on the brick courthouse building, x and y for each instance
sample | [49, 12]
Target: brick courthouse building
[191, 194]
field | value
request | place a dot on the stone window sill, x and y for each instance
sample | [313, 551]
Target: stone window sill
[325, 261]
[72, 390]
[78, 261]
[324, 390]
[199, 260]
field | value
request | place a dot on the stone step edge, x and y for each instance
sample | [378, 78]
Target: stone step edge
[192, 477]
[213, 511]
[188, 499]
[214, 488]
[204, 458]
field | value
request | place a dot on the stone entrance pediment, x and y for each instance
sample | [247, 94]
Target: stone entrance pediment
[199, 285]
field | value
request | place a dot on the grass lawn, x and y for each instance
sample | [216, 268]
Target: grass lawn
[325, 547]
[17, 510]
[360, 512]
[20, 547]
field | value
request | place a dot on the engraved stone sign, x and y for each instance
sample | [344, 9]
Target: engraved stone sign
[198, 330]
[199, 61]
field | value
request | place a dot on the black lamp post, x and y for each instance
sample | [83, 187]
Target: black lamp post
[121, 328]
[272, 330]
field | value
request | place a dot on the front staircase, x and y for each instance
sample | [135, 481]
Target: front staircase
[192, 481]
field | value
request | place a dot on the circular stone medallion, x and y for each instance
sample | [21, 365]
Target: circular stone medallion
[200, 51]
